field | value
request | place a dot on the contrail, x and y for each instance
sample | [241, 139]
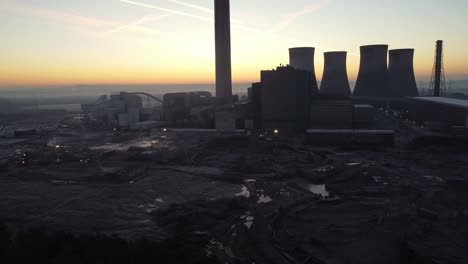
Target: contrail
[167, 10]
[197, 7]
[137, 23]
[181, 13]
[288, 18]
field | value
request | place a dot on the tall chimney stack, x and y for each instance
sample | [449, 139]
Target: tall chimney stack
[223, 49]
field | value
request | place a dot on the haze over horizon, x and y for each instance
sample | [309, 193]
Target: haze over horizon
[126, 42]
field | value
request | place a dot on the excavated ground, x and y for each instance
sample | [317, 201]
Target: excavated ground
[244, 199]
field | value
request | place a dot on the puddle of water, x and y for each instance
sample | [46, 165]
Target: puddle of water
[434, 178]
[320, 189]
[264, 199]
[249, 221]
[64, 182]
[245, 192]
[377, 179]
[140, 143]
[324, 169]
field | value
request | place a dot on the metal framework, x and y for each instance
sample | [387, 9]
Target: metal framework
[438, 85]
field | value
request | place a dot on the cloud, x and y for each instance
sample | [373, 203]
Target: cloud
[288, 18]
[63, 17]
[88, 24]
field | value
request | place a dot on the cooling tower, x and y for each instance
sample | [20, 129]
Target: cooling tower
[303, 59]
[373, 76]
[335, 77]
[223, 49]
[401, 73]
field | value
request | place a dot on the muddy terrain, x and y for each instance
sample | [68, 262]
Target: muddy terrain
[241, 198]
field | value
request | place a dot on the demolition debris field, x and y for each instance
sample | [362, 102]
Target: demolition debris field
[241, 198]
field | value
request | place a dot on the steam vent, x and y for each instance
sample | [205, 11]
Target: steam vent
[335, 77]
[372, 80]
[401, 73]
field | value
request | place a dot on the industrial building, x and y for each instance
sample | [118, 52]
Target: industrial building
[255, 106]
[122, 110]
[372, 79]
[439, 110]
[331, 112]
[401, 73]
[192, 109]
[335, 77]
[285, 96]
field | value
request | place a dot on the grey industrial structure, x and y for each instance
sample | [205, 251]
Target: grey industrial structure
[439, 110]
[331, 112]
[401, 73]
[223, 49]
[372, 79]
[335, 77]
[121, 110]
[437, 84]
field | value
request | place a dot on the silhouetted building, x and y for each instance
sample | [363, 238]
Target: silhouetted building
[303, 59]
[182, 109]
[439, 110]
[335, 77]
[372, 80]
[255, 105]
[401, 73]
[364, 116]
[223, 49]
[286, 94]
[331, 112]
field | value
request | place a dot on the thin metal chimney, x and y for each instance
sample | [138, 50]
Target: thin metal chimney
[372, 80]
[223, 49]
[303, 59]
[335, 77]
[401, 73]
[438, 76]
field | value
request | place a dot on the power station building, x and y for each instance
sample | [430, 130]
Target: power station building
[439, 110]
[331, 112]
[335, 77]
[285, 98]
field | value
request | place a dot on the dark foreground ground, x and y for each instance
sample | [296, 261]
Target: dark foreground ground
[85, 196]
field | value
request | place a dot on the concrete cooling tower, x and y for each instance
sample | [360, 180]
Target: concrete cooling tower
[401, 73]
[372, 80]
[223, 49]
[335, 77]
[303, 59]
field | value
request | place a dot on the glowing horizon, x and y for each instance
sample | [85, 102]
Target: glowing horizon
[143, 42]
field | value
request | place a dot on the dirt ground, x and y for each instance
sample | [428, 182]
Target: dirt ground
[252, 200]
